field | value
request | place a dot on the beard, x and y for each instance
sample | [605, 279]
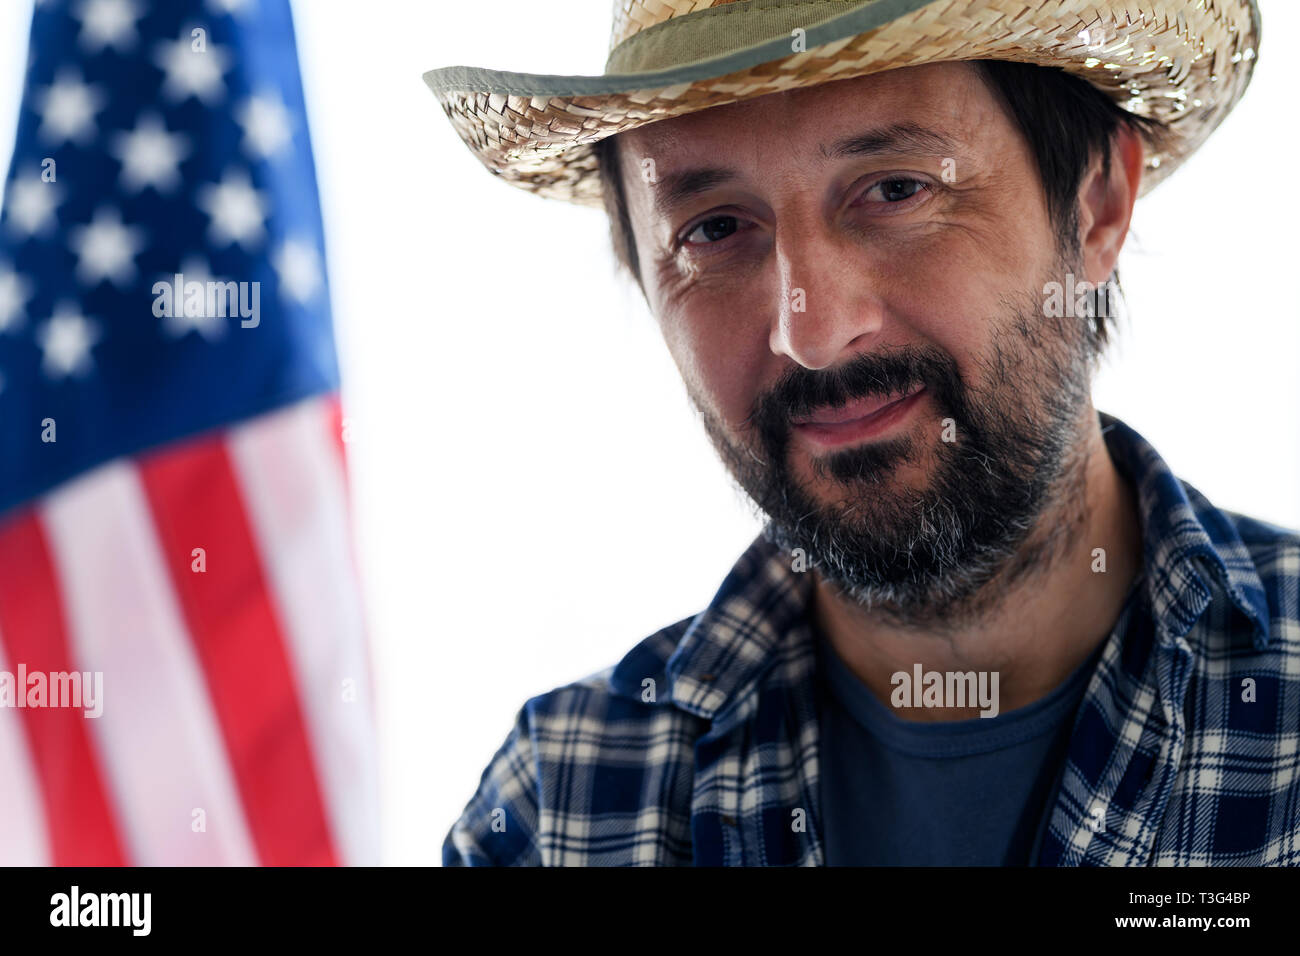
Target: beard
[1000, 452]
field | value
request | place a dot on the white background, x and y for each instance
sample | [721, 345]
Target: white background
[533, 492]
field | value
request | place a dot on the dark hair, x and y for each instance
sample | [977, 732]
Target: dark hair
[1066, 121]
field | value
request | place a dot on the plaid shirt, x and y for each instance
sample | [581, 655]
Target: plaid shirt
[701, 746]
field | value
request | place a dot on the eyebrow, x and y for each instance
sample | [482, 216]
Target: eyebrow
[899, 138]
[907, 138]
[671, 191]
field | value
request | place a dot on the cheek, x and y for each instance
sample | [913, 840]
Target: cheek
[961, 294]
[947, 312]
[722, 353]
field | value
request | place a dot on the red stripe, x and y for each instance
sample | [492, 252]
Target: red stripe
[78, 810]
[195, 499]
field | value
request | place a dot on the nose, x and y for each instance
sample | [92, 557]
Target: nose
[829, 308]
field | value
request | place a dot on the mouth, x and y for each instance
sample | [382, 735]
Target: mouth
[857, 421]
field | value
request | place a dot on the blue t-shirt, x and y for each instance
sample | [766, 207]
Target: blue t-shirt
[975, 792]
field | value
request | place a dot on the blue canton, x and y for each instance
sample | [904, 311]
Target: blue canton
[161, 253]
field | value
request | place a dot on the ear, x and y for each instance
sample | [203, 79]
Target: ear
[1106, 205]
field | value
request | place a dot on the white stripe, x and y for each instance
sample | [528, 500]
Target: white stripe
[292, 486]
[159, 738]
[22, 816]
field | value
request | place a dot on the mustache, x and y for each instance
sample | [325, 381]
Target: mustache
[801, 391]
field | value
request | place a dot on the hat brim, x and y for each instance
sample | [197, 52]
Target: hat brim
[1183, 65]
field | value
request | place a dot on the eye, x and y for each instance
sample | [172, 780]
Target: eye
[713, 229]
[895, 190]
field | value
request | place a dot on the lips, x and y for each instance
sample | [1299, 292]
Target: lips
[853, 410]
[830, 428]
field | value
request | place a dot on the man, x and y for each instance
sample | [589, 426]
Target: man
[984, 624]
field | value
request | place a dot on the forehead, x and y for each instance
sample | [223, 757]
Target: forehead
[950, 97]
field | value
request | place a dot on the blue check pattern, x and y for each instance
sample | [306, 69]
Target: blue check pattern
[701, 747]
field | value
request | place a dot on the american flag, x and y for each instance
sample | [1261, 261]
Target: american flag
[173, 495]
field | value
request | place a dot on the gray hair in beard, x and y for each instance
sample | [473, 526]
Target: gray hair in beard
[924, 556]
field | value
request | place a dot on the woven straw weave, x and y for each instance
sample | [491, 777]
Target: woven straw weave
[1183, 62]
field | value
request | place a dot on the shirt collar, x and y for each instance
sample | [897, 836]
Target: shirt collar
[727, 648]
[1182, 533]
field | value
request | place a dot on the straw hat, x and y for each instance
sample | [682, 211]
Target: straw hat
[1183, 62]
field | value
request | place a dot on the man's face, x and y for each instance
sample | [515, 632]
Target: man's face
[850, 280]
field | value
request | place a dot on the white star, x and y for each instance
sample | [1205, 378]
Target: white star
[192, 72]
[66, 340]
[14, 293]
[106, 249]
[236, 210]
[299, 269]
[108, 23]
[150, 155]
[266, 125]
[29, 207]
[68, 107]
[184, 320]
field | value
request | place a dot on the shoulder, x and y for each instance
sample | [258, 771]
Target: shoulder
[607, 743]
[1266, 556]
[1274, 550]
[1261, 561]
[629, 690]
